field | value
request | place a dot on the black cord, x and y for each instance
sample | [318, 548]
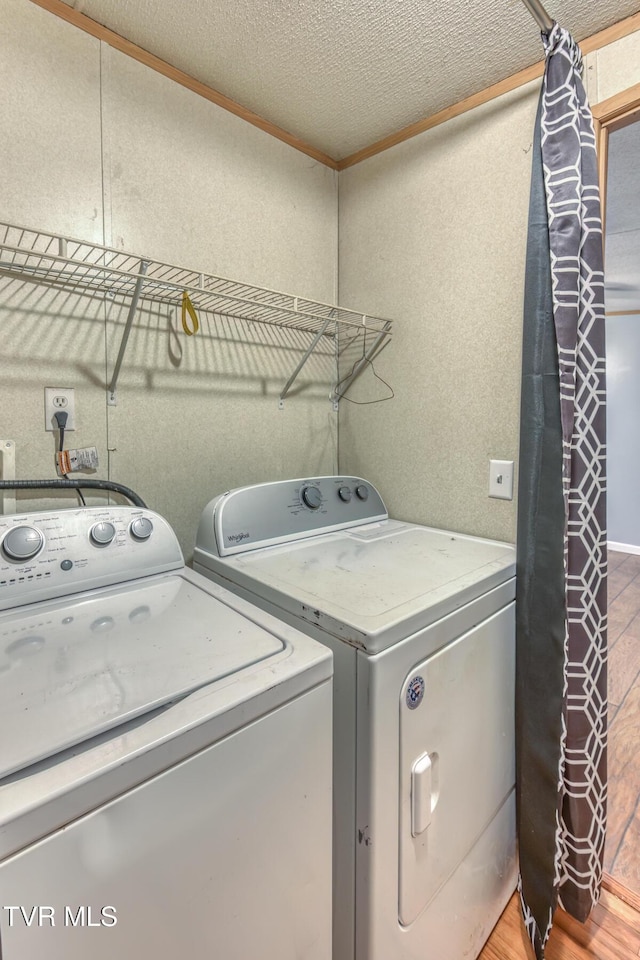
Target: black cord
[61, 418]
[363, 403]
[75, 485]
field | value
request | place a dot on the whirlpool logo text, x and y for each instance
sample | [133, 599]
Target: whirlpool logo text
[237, 537]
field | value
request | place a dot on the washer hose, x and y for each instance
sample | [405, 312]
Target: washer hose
[74, 485]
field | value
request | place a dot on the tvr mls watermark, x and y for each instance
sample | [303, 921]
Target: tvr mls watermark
[79, 916]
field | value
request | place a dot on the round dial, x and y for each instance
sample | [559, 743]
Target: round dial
[140, 614]
[362, 492]
[345, 494]
[311, 497]
[102, 533]
[141, 528]
[25, 646]
[22, 543]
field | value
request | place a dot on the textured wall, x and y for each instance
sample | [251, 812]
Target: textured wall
[433, 233]
[613, 68]
[52, 179]
[95, 145]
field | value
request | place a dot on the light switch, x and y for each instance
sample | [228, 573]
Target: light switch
[501, 479]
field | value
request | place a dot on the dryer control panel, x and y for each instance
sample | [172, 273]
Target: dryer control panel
[53, 554]
[269, 513]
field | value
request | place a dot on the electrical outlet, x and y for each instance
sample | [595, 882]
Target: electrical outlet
[501, 479]
[57, 399]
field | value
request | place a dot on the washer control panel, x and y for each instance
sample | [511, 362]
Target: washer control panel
[269, 513]
[48, 555]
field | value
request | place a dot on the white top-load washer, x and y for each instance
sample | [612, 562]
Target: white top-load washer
[165, 754]
[421, 625]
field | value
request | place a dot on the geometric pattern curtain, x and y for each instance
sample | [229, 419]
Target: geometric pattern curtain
[561, 708]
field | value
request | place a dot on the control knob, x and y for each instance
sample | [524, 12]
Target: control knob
[22, 543]
[141, 528]
[102, 533]
[311, 497]
[345, 494]
[362, 492]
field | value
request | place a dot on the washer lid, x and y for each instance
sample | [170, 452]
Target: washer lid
[375, 584]
[74, 669]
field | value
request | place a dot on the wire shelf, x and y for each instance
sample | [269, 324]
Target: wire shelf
[93, 269]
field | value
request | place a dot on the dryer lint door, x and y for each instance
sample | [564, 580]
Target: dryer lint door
[457, 762]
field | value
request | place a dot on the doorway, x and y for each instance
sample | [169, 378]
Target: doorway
[618, 134]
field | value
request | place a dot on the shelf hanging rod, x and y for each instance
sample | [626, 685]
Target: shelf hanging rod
[540, 15]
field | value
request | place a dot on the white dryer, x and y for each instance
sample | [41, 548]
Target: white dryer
[165, 754]
[421, 625]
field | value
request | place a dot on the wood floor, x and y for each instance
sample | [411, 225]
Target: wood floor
[622, 851]
[613, 930]
[611, 933]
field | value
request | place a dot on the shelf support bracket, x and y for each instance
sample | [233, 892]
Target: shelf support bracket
[7, 472]
[344, 385]
[314, 343]
[133, 306]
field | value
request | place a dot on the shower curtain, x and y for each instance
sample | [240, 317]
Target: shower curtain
[561, 700]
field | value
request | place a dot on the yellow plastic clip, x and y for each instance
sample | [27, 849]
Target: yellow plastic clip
[187, 307]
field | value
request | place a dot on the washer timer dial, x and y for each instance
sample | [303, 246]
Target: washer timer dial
[22, 543]
[311, 497]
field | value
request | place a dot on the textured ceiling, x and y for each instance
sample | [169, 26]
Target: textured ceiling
[342, 74]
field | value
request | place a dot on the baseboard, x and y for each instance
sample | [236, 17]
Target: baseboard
[622, 547]
[621, 892]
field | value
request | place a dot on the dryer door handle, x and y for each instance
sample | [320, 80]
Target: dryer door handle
[421, 794]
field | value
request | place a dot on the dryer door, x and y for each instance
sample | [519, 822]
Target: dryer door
[457, 763]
